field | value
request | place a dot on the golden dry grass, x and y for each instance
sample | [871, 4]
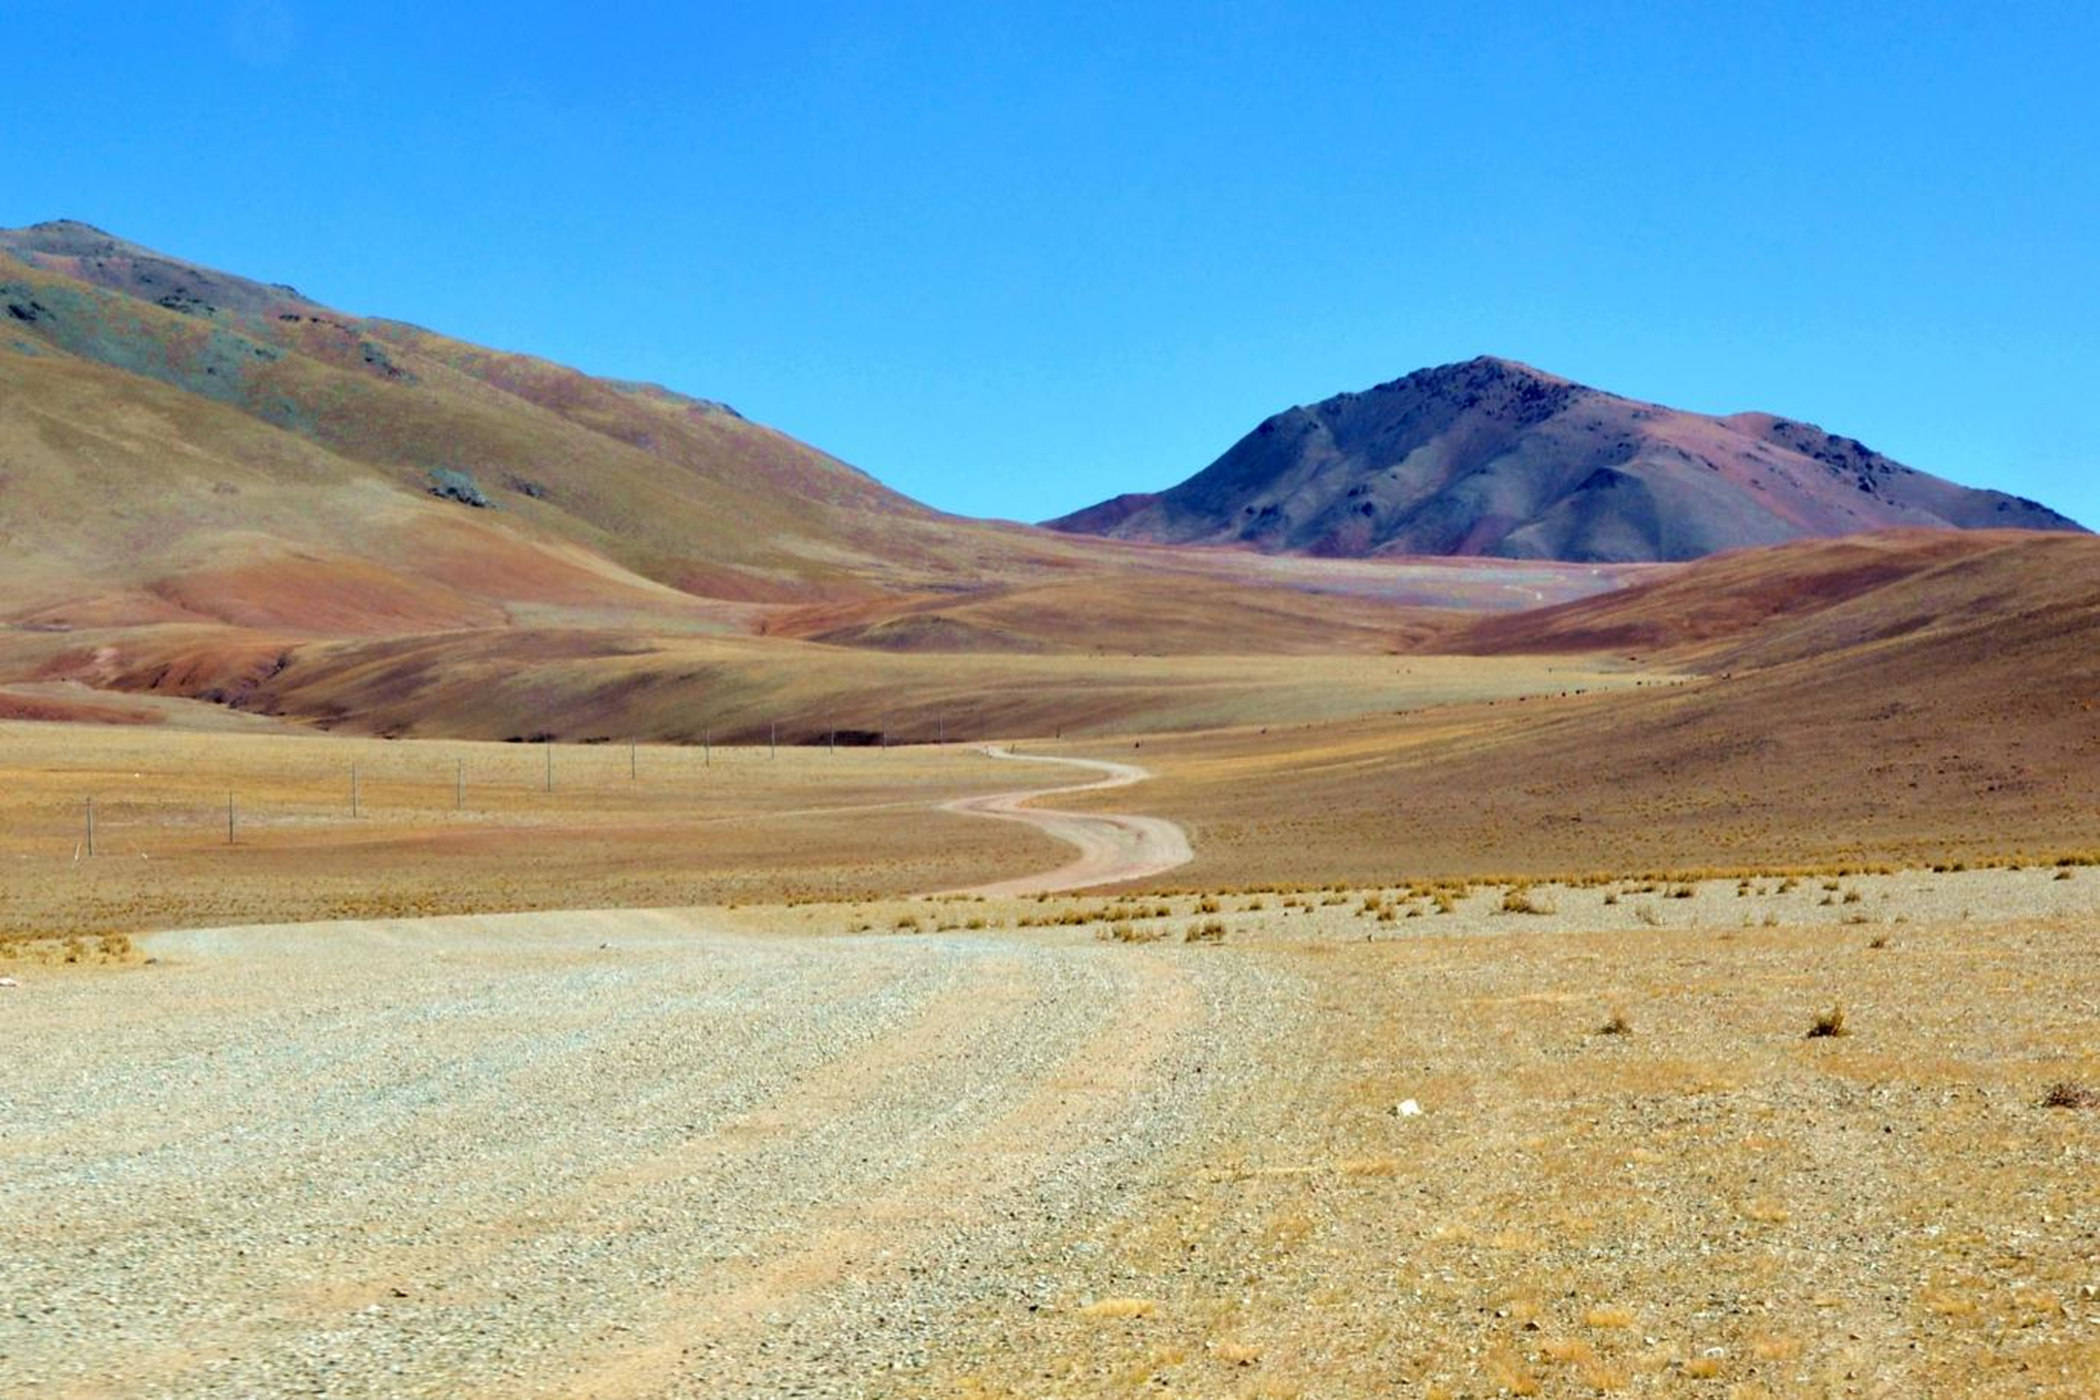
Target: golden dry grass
[683, 831]
[1714, 1206]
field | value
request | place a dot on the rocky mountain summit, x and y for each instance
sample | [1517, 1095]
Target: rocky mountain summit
[1491, 457]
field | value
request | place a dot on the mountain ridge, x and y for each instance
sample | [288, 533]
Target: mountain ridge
[1493, 457]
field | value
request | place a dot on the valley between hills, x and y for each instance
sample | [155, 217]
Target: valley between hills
[498, 897]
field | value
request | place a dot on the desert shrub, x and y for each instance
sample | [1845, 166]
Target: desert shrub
[1829, 1023]
[1518, 900]
[1617, 1024]
[1129, 933]
[2066, 1094]
[1210, 931]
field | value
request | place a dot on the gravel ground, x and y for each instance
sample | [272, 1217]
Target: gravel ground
[599, 1153]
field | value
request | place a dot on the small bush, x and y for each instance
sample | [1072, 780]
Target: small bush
[1518, 900]
[1210, 931]
[1617, 1025]
[1829, 1023]
[2065, 1094]
[1131, 933]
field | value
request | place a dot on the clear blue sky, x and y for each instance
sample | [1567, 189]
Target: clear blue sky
[1012, 259]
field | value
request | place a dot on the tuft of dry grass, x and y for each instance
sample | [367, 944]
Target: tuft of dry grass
[1518, 899]
[2068, 1094]
[1616, 1024]
[1829, 1024]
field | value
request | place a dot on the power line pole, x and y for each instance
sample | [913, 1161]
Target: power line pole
[773, 740]
[229, 819]
[353, 789]
[631, 774]
[459, 785]
[550, 765]
[91, 826]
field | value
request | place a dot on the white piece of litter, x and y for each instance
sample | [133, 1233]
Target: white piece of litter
[1409, 1109]
[9, 982]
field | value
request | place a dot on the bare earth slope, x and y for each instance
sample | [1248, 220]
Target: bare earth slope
[1494, 457]
[1946, 712]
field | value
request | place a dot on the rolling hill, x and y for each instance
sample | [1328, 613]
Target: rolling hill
[1490, 457]
[214, 487]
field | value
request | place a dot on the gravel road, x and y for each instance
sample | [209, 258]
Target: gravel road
[1112, 847]
[608, 1154]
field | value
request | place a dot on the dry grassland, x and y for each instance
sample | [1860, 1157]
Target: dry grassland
[1674, 774]
[689, 828]
[1634, 1171]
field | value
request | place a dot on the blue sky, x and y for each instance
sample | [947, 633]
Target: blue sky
[1015, 259]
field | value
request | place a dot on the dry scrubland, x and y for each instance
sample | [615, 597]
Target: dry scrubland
[1082, 1146]
[1635, 1169]
[686, 830]
[689, 828]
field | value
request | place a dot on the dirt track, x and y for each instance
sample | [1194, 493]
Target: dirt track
[1113, 847]
[597, 1153]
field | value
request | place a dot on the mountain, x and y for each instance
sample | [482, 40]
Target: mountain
[239, 420]
[1491, 457]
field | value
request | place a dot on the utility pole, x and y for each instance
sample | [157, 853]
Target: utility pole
[773, 740]
[631, 775]
[459, 785]
[353, 789]
[229, 819]
[707, 748]
[550, 765]
[91, 825]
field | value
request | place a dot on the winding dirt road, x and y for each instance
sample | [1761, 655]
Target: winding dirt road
[619, 1153]
[1112, 847]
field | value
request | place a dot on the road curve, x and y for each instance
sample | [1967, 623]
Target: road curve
[1112, 847]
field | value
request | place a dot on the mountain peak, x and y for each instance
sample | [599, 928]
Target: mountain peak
[1493, 456]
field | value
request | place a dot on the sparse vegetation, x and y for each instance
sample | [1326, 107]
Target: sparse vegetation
[1829, 1023]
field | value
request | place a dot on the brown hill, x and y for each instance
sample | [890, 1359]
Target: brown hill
[1492, 457]
[214, 487]
[1946, 710]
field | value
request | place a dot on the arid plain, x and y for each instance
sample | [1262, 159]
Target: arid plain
[1362, 1100]
[516, 884]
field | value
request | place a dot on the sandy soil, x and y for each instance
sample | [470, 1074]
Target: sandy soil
[752, 1153]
